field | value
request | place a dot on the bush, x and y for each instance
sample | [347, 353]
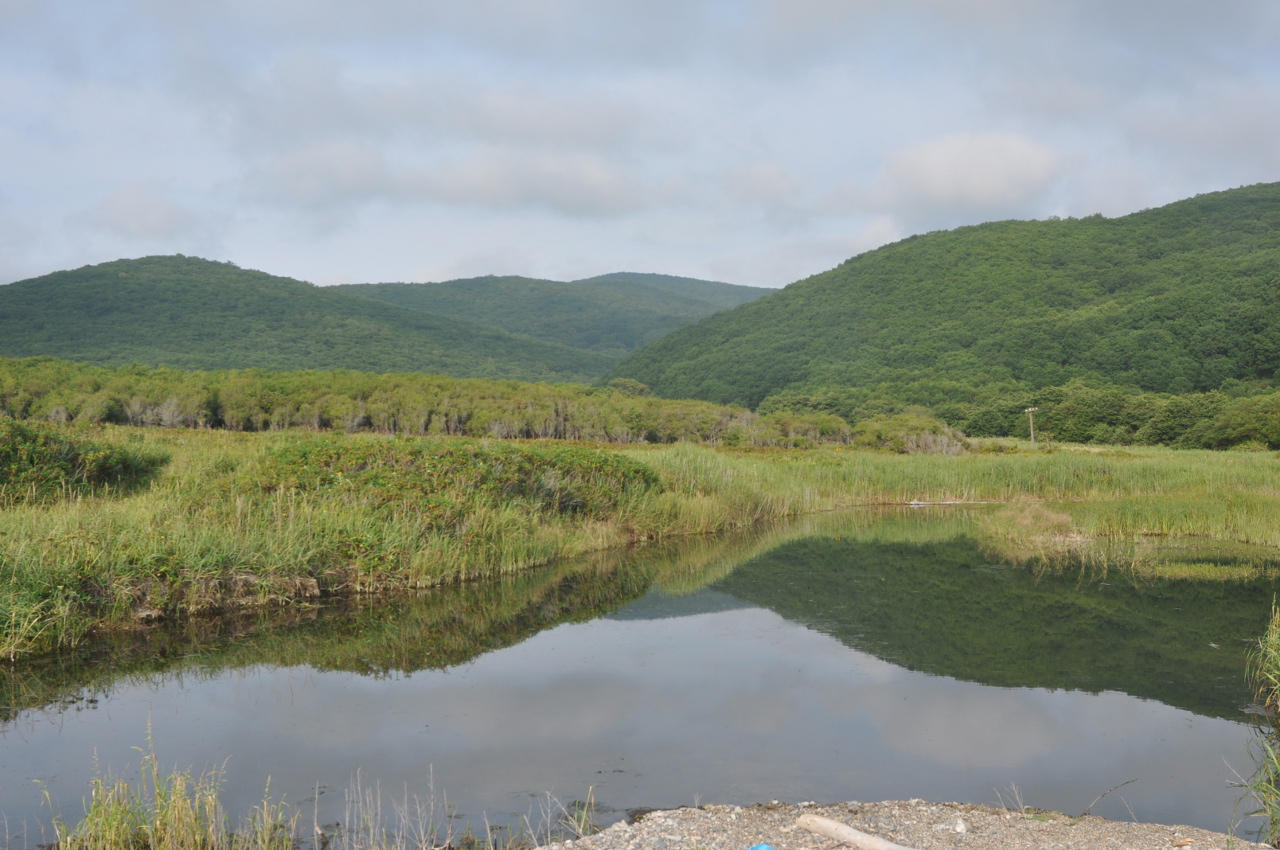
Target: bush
[914, 431]
[39, 463]
[443, 479]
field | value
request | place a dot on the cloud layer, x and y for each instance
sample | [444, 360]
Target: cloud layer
[756, 141]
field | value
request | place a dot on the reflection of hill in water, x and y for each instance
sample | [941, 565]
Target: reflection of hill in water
[942, 608]
[656, 605]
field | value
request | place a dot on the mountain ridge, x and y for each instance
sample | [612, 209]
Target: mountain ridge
[1177, 299]
[612, 314]
[191, 313]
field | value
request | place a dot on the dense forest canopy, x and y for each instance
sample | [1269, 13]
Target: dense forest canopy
[1180, 299]
[190, 313]
[610, 314]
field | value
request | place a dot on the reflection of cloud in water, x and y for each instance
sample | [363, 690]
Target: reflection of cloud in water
[567, 708]
[964, 725]
[736, 706]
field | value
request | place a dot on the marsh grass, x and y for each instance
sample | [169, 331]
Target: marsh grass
[248, 520]
[1262, 789]
[1264, 666]
[44, 464]
[165, 810]
[174, 810]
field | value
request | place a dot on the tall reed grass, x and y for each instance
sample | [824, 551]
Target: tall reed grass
[174, 810]
[165, 810]
[1262, 789]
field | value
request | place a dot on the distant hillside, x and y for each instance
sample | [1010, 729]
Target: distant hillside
[1177, 299]
[612, 314]
[189, 313]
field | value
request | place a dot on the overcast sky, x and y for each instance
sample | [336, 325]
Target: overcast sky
[753, 142]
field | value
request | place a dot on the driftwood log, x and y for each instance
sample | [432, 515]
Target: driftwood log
[845, 834]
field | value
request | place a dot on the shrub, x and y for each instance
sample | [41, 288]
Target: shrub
[914, 431]
[38, 463]
[442, 479]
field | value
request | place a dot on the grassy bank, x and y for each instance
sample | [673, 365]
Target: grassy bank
[1261, 792]
[237, 519]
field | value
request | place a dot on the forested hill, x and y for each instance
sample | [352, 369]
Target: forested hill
[189, 313]
[1177, 299]
[612, 314]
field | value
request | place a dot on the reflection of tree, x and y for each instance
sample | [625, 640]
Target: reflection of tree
[910, 586]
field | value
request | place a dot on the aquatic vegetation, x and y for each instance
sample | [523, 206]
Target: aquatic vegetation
[175, 810]
[170, 811]
[1262, 789]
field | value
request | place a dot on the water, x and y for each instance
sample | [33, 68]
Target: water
[807, 664]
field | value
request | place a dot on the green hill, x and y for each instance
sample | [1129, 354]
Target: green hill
[1174, 300]
[611, 314]
[189, 313]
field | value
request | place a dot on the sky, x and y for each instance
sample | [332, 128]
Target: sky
[755, 142]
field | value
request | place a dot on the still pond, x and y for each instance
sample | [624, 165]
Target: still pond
[834, 659]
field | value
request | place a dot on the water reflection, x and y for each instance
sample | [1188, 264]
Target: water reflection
[837, 658]
[943, 608]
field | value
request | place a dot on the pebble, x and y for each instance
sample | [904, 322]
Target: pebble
[913, 823]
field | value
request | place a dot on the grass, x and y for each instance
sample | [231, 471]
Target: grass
[42, 464]
[170, 811]
[174, 810]
[1264, 666]
[239, 520]
[1262, 790]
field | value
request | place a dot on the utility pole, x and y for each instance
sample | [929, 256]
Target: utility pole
[1031, 419]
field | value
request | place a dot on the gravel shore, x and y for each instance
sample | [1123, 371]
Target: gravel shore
[913, 823]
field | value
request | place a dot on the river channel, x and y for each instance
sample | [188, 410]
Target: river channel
[834, 659]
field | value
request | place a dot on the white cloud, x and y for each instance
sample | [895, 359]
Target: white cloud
[966, 176]
[309, 94]
[692, 136]
[142, 211]
[1214, 132]
[325, 173]
[339, 174]
[768, 183]
[573, 185]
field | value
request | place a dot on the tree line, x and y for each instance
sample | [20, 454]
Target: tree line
[43, 388]
[1239, 415]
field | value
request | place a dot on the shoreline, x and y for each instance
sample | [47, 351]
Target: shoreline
[254, 520]
[914, 824]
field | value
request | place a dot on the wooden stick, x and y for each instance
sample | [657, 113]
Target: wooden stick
[843, 833]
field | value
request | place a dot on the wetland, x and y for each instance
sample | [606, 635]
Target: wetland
[881, 655]
[463, 635]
